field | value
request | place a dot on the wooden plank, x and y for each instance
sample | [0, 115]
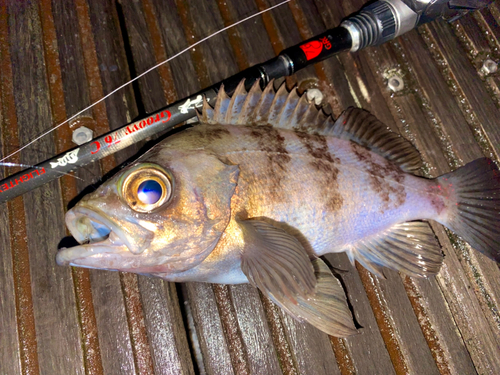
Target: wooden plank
[408, 110]
[347, 85]
[253, 45]
[212, 342]
[159, 50]
[114, 68]
[416, 330]
[217, 52]
[332, 77]
[336, 82]
[51, 286]
[249, 40]
[186, 82]
[462, 300]
[488, 20]
[339, 95]
[27, 356]
[370, 341]
[134, 313]
[261, 355]
[145, 333]
[284, 33]
[360, 85]
[403, 108]
[436, 320]
[367, 350]
[174, 40]
[411, 339]
[150, 93]
[442, 338]
[10, 361]
[310, 335]
[114, 339]
[471, 94]
[252, 42]
[114, 335]
[166, 332]
[407, 332]
[211, 71]
[473, 33]
[311, 348]
[448, 344]
[470, 35]
[169, 346]
[10, 350]
[231, 328]
[469, 91]
[183, 71]
[81, 277]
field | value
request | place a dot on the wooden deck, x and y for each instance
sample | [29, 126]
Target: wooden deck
[56, 57]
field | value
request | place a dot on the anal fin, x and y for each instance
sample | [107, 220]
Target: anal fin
[327, 308]
[410, 248]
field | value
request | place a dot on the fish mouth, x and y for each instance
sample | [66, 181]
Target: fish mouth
[101, 238]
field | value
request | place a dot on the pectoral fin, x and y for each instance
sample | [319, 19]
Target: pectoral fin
[275, 261]
[277, 264]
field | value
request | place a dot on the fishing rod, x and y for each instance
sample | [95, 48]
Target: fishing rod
[376, 23]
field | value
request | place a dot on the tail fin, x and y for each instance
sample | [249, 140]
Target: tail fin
[475, 214]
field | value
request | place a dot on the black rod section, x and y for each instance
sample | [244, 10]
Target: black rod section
[288, 62]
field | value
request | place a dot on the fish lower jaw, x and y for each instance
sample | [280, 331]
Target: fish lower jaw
[91, 255]
[92, 227]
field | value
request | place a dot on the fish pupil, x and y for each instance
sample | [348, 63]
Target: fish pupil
[149, 191]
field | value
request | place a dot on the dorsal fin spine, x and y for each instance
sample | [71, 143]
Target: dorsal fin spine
[289, 111]
[234, 104]
[299, 111]
[288, 108]
[278, 104]
[221, 106]
[262, 109]
[250, 103]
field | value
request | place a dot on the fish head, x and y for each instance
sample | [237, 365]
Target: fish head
[163, 214]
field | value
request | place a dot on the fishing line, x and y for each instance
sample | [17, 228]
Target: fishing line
[374, 24]
[141, 75]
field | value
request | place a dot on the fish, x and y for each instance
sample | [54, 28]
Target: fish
[264, 186]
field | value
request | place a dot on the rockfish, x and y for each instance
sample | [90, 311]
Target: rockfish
[263, 187]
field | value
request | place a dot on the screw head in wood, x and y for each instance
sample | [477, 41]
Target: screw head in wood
[395, 83]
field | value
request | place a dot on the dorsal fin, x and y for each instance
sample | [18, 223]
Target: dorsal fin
[362, 127]
[288, 110]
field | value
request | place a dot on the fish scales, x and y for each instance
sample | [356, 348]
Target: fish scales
[267, 184]
[332, 191]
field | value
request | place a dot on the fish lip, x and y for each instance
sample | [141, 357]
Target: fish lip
[71, 256]
[115, 232]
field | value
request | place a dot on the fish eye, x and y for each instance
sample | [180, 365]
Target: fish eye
[146, 187]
